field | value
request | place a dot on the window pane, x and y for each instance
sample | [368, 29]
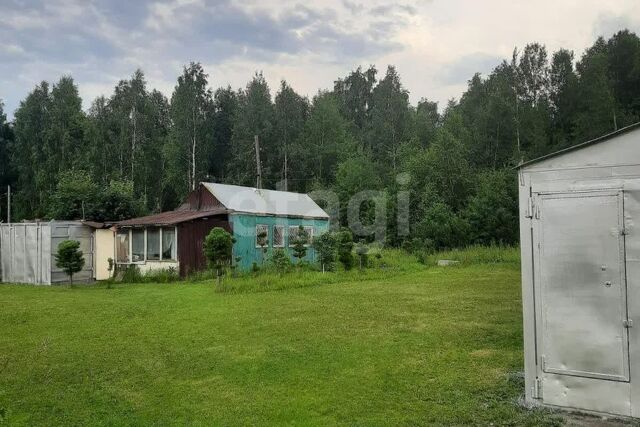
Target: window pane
[122, 246]
[153, 243]
[137, 245]
[168, 243]
[262, 236]
[293, 234]
[278, 236]
[309, 231]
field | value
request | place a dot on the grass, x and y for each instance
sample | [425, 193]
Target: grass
[403, 343]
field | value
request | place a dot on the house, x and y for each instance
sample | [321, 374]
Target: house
[174, 239]
[580, 243]
[27, 250]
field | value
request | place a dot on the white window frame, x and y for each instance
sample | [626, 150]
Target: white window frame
[266, 227]
[281, 228]
[174, 249]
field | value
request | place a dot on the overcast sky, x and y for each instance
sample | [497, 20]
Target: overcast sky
[436, 45]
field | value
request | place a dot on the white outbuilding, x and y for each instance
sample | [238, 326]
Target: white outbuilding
[580, 243]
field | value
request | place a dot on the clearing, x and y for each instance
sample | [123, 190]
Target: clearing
[391, 345]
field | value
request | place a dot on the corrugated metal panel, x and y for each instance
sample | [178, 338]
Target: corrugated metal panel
[170, 218]
[27, 251]
[265, 202]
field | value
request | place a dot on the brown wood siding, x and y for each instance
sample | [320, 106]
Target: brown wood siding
[191, 235]
[200, 199]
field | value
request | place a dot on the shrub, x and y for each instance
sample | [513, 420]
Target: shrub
[69, 257]
[280, 261]
[345, 247]
[131, 274]
[362, 250]
[325, 246]
[218, 248]
[300, 243]
[441, 228]
[493, 210]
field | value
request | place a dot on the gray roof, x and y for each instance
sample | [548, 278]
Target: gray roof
[582, 145]
[265, 202]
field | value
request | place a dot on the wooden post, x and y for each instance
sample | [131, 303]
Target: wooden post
[259, 178]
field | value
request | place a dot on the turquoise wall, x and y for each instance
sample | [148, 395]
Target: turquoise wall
[244, 231]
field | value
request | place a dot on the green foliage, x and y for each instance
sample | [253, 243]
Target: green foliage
[280, 261]
[493, 211]
[300, 243]
[325, 246]
[76, 196]
[218, 248]
[362, 250]
[344, 240]
[69, 257]
[441, 228]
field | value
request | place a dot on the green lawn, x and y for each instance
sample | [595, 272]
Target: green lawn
[415, 345]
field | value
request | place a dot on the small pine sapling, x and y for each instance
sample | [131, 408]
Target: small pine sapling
[325, 247]
[300, 243]
[262, 238]
[69, 257]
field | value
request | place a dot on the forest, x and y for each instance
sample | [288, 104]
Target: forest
[136, 151]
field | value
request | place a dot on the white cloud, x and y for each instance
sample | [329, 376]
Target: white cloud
[435, 45]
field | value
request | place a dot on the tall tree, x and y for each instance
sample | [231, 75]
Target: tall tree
[225, 102]
[6, 142]
[191, 115]
[29, 159]
[390, 118]
[255, 117]
[354, 94]
[325, 142]
[564, 97]
[291, 111]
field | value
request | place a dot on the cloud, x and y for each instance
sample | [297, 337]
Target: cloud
[436, 46]
[465, 67]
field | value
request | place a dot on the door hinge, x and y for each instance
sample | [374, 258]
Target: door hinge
[529, 213]
[542, 362]
[537, 389]
[627, 323]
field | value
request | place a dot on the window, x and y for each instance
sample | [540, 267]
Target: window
[262, 236]
[122, 246]
[168, 243]
[278, 236]
[293, 234]
[309, 231]
[137, 245]
[153, 244]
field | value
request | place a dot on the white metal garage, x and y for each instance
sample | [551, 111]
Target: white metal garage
[580, 242]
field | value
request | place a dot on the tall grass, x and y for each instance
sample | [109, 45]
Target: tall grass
[478, 255]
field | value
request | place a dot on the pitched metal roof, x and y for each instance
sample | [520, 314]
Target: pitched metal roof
[265, 202]
[581, 145]
[170, 218]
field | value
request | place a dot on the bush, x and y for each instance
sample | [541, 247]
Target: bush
[131, 274]
[280, 261]
[325, 247]
[345, 248]
[362, 250]
[493, 210]
[218, 248]
[300, 242]
[441, 228]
